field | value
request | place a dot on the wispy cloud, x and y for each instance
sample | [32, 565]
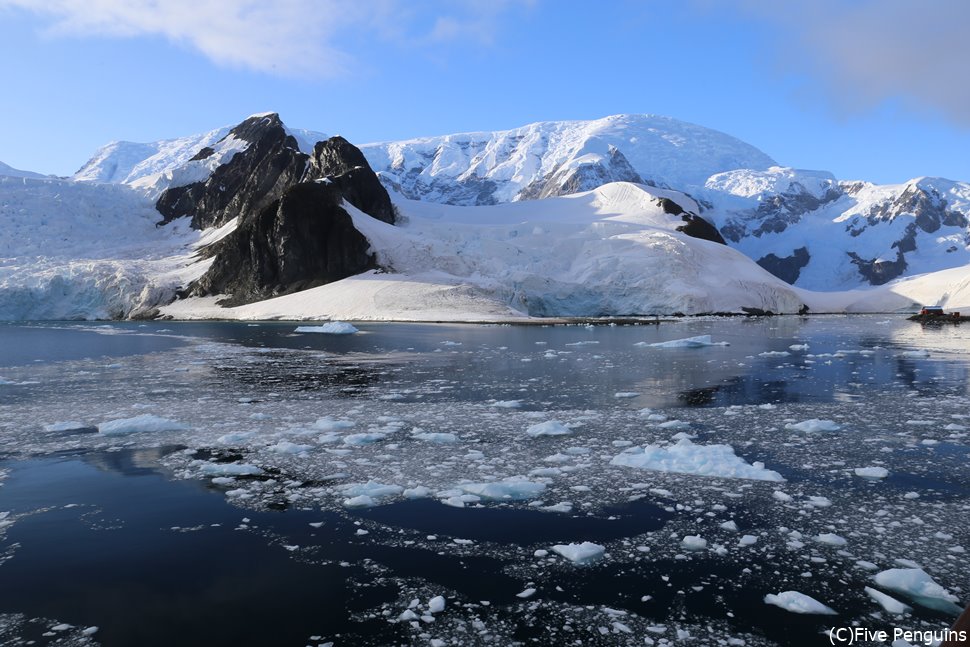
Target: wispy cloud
[287, 37]
[864, 52]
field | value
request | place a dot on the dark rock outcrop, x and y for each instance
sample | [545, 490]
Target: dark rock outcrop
[787, 268]
[694, 226]
[878, 271]
[583, 177]
[302, 240]
[293, 231]
[245, 184]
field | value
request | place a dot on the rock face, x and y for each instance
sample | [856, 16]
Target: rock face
[252, 179]
[293, 232]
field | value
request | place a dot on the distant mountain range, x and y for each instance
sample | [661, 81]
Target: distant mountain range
[276, 211]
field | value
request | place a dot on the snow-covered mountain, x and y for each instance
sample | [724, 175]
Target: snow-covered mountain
[557, 158]
[819, 233]
[609, 217]
[8, 171]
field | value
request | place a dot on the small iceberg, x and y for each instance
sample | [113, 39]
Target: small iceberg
[580, 553]
[330, 328]
[701, 341]
[918, 586]
[799, 603]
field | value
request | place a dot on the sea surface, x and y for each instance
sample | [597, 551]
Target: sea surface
[268, 487]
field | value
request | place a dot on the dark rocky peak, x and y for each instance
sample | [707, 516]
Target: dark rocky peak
[566, 180]
[336, 161]
[249, 181]
[694, 225]
[925, 204]
[301, 240]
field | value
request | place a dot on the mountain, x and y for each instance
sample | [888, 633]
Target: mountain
[558, 157]
[820, 233]
[8, 171]
[620, 216]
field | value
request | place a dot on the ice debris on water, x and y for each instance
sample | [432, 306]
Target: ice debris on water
[687, 458]
[549, 428]
[874, 473]
[798, 603]
[329, 328]
[581, 553]
[700, 341]
[918, 586]
[813, 425]
[143, 423]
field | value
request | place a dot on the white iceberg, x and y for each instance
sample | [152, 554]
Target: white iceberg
[799, 603]
[330, 328]
[580, 553]
[687, 458]
[143, 423]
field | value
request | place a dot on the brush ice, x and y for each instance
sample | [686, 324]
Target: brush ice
[798, 603]
[329, 328]
[919, 586]
[582, 553]
[687, 458]
[143, 423]
[230, 469]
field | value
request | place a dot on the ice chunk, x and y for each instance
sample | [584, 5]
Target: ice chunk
[580, 553]
[689, 342]
[436, 604]
[831, 539]
[917, 585]
[230, 469]
[330, 328]
[872, 472]
[419, 492]
[435, 437]
[507, 404]
[362, 501]
[329, 424]
[687, 458]
[813, 425]
[549, 428]
[286, 447]
[143, 423]
[511, 490]
[370, 489]
[887, 602]
[528, 593]
[364, 438]
[626, 394]
[798, 603]
[65, 426]
[694, 542]
[748, 540]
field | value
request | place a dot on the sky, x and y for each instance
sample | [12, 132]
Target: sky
[875, 90]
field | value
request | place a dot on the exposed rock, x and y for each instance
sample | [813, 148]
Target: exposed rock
[302, 240]
[878, 271]
[582, 177]
[787, 268]
[251, 180]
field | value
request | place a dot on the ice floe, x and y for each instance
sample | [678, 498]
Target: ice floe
[687, 458]
[329, 328]
[798, 603]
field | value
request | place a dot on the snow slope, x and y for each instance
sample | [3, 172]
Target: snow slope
[611, 251]
[8, 171]
[493, 167]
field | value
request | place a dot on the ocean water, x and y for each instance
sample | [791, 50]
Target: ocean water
[269, 487]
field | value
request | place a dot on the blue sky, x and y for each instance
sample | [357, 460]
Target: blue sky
[867, 89]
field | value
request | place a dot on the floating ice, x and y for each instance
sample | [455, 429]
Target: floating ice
[798, 347]
[435, 437]
[917, 585]
[511, 490]
[687, 458]
[527, 593]
[689, 342]
[286, 447]
[143, 423]
[65, 426]
[694, 542]
[626, 394]
[831, 539]
[330, 328]
[230, 469]
[436, 604]
[580, 553]
[329, 424]
[813, 425]
[370, 489]
[872, 472]
[889, 603]
[507, 404]
[774, 353]
[364, 438]
[549, 428]
[798, 603]
[748, 540]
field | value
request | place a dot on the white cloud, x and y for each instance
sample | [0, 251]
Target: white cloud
[288, 37]
[865, 52]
